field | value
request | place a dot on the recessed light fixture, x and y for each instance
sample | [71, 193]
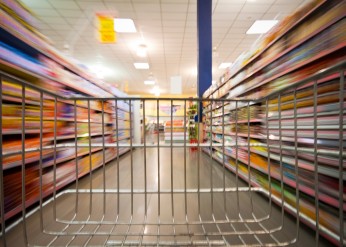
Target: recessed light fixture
[224, 65]
[141, 65]
[141, 50]
[149, 82]
[100, 71]
[124, 25]
[261, 26]
[156, 91]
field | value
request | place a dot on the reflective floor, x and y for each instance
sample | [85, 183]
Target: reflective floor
[178, 215]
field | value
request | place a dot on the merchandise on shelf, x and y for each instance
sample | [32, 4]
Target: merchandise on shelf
[31, 72]
[285, 143]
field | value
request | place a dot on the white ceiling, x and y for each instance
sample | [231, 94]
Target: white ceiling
[167, 27]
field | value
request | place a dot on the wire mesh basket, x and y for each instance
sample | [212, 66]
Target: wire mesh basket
[260, 168]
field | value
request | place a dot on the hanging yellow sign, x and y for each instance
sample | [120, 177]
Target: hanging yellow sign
[107, 37]
[106, 29]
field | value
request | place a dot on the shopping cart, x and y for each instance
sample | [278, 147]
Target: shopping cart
[262, 163]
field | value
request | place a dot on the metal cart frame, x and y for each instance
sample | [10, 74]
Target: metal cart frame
[146, 224]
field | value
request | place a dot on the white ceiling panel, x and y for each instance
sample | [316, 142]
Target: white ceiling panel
[94, 5]
[173, 23]
[121, 7]
[182, 8]
[247, 16]
[74, 13]
[32, 4]
[168, 27]
[146, 7]
[149, 16]
[224, 17]
[228, 8]
[192, 8]
[286, 8]
[254, 8]
[64, 4]
[54, 20]
[47, 12]
[173, 16]
[233, 1]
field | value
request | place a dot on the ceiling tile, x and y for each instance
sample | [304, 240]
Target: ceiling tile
[173, 16]
[173, 23]
[243, 24]
[146, 7]
[192, 8]
[225, 17]
[36, 4]
[64, 4]
[173, 29]
[254, 9]
[93, 5]
[149, 16]
[54, 20]
[246, 16]
[75, 13]
[282, 8]
[172, 7]
[46, 12]
[228, 8]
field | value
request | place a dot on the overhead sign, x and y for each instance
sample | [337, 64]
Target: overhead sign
[106, 29]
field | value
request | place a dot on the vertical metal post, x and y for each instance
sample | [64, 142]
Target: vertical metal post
[268, 157]
[54, 156]
[249, 155]
[341, 149]
[76, 154]
[103, 157]
[23, 167]
[317, 230]
[172, 195]
[223, 158]
[2, 197]
[295, 116]
[118, 154]
[90, 162]
[40, 163]
[131, 156]
[145, 162]
[236, 158]
[158, 169]
[281, 165]
[185, 175]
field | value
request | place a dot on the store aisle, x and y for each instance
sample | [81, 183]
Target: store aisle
[97, 207]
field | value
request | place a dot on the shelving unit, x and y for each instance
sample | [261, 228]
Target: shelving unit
[175, 131]
[25, 55]
[289, 144]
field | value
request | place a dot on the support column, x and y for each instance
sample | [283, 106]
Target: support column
[204, 32]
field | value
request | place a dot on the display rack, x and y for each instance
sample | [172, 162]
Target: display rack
[175, 131]
[29, 116]
[266, 132]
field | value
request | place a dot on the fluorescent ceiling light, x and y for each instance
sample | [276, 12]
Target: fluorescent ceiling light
[149, 82]
[225, 65]
[124, 25]
[141, 65]
[100, 71]
[142, 50]
[156, 91]
[261, 26]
